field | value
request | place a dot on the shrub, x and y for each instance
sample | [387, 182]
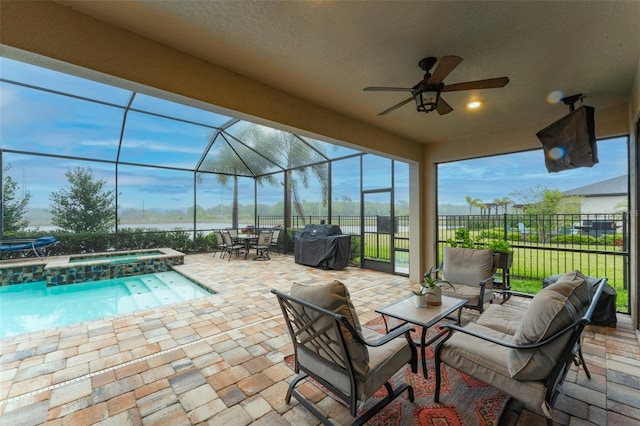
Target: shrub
[354, 257]
[492, 234]
[574, 239]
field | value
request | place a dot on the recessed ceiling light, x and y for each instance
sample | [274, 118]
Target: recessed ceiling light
[474, 104]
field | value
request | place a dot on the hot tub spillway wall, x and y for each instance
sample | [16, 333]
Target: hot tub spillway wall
[108, 266]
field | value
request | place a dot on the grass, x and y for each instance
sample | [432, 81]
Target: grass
[533, 263]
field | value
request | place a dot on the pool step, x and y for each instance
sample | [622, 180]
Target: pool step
[141, 296]
[162, 290]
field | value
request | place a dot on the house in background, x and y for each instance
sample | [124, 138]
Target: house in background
[606, 196]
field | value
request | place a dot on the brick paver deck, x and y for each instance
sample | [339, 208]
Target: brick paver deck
[219, 360]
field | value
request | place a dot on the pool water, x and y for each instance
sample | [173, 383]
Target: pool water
[25, 308]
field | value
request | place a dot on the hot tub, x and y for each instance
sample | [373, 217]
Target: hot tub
[91, 267]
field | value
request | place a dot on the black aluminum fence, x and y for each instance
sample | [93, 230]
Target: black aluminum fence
[544, 245]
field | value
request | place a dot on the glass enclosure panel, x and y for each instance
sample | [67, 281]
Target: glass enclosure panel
[258, 164]
[221, 158]
[401, 207]
[40, 176]
[377, 170]
[163, 142]
[53, 80]
[345, 194]
[154, 198]
[246, 202]
[308, 191]
[270, 193]
[330, 150]
[401, 188]
[154, 105]
[282, 148]
[214, 201]
[43, 122]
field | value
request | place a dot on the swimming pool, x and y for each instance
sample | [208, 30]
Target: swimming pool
[25, 308]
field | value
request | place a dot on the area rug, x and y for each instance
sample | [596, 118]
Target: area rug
[463, 399]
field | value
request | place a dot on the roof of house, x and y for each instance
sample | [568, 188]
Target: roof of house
[613, 186]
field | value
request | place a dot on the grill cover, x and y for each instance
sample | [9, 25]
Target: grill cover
[324, 246]
[605, 312]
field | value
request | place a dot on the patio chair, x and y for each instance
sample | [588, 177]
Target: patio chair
[274, 240]
[525, 356]
[263, 245]
[220, 244]
[331, 347]
[234, 234]
[470, 272]
[230, 246]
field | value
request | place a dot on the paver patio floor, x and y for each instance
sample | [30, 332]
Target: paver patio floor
[219, 360]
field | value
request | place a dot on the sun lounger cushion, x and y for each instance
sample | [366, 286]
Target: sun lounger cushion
[335, 297]
[551, 310]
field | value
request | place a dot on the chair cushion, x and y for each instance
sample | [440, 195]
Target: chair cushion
[335, 297]
[467, 266]
[502, 318]
[487, 362]
[550, 311]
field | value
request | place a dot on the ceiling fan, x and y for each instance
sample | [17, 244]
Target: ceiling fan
[426, 93]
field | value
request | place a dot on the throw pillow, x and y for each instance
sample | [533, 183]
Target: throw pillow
[335, 297]
[550, 311]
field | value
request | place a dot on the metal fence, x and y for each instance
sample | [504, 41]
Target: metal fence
[544, 245]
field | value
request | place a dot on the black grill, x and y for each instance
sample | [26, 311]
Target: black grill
[323, 246]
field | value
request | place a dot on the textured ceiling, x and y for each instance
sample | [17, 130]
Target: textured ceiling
[327, 51]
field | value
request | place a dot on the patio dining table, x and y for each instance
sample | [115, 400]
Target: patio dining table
[247, 239]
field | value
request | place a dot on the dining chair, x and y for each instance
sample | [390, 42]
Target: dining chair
[220, 244]
[263, 245]
[230, 246]
[274, 240]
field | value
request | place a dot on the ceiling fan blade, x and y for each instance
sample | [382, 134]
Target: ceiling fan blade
[396, 106]
[443, 107]
[444, 67]
[490, 83]
[387, 89]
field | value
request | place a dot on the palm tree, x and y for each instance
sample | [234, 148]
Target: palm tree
[271, 149]
[474, 202]
[229, 166]
[292, 153]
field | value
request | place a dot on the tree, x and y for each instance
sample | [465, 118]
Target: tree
[229, 166]
[13, 206]
[287, 149]
[276, 148]
[84, 206]
[541, 202]
[473, 202]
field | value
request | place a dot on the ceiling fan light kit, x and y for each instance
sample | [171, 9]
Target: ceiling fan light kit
[426, 93]
[426, 97]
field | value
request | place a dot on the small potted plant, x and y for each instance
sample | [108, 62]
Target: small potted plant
[431, 288]
[505, 250]
[462, 239]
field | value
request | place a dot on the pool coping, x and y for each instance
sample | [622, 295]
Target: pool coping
[65, 261]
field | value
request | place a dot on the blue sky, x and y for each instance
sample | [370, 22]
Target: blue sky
[497, 177]
[45, 122]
